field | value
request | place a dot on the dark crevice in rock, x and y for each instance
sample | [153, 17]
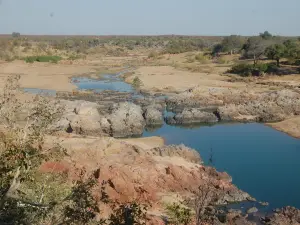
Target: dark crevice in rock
[217, 114]
[69, 129]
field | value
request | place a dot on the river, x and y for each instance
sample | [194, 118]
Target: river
[262, 161]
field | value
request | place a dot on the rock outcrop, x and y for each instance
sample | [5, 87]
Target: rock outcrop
[153, 116]
[147, 175]
[80, 117]
[285, 216]
[126, 119]
[188, 116]
[234, 105]
[86, 118]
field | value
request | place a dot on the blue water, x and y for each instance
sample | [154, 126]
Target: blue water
[112, 83]
[262, 161]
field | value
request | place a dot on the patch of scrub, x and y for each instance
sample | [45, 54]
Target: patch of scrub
[45, 92]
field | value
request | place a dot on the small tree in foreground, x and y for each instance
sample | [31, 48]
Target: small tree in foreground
[206, 195]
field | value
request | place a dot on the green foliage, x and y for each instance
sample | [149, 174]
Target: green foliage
[266, 35]
[292, 49]
[128, 214]
[137, 82]
[218, 48]
[231, 44]
[43, 58]
[244, 69]
[179, 215]
[275, 52]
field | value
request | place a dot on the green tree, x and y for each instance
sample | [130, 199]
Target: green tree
[217, 49]
[232, 44]
[292, 49]
[275, 52]
[266, 35]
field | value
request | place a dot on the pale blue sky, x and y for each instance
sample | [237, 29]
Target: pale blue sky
[141, 17]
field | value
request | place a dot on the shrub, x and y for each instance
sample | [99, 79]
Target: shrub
[244, 69]
[221, 60]
[153, 55]
[201, 58]
[272, 68]
[179, 214]
[45, 58]
[137, 82]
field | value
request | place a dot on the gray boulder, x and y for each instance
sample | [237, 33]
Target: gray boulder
[80, 117]
[153, 116]
[126, 119]
[193, 115]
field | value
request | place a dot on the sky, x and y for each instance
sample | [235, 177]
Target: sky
[150, 17]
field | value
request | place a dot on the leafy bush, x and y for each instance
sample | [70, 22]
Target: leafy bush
[244, 69]
[44, 58]
[137, 82]
[179, 214]
[272, 68]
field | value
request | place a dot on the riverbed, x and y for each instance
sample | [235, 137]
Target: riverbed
[262, 161]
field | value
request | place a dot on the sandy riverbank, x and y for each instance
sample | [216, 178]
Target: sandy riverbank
[290, 126]
[55, 76]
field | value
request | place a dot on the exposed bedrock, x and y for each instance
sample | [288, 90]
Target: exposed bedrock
[119, 119]
[233, 106]
[188, 116]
